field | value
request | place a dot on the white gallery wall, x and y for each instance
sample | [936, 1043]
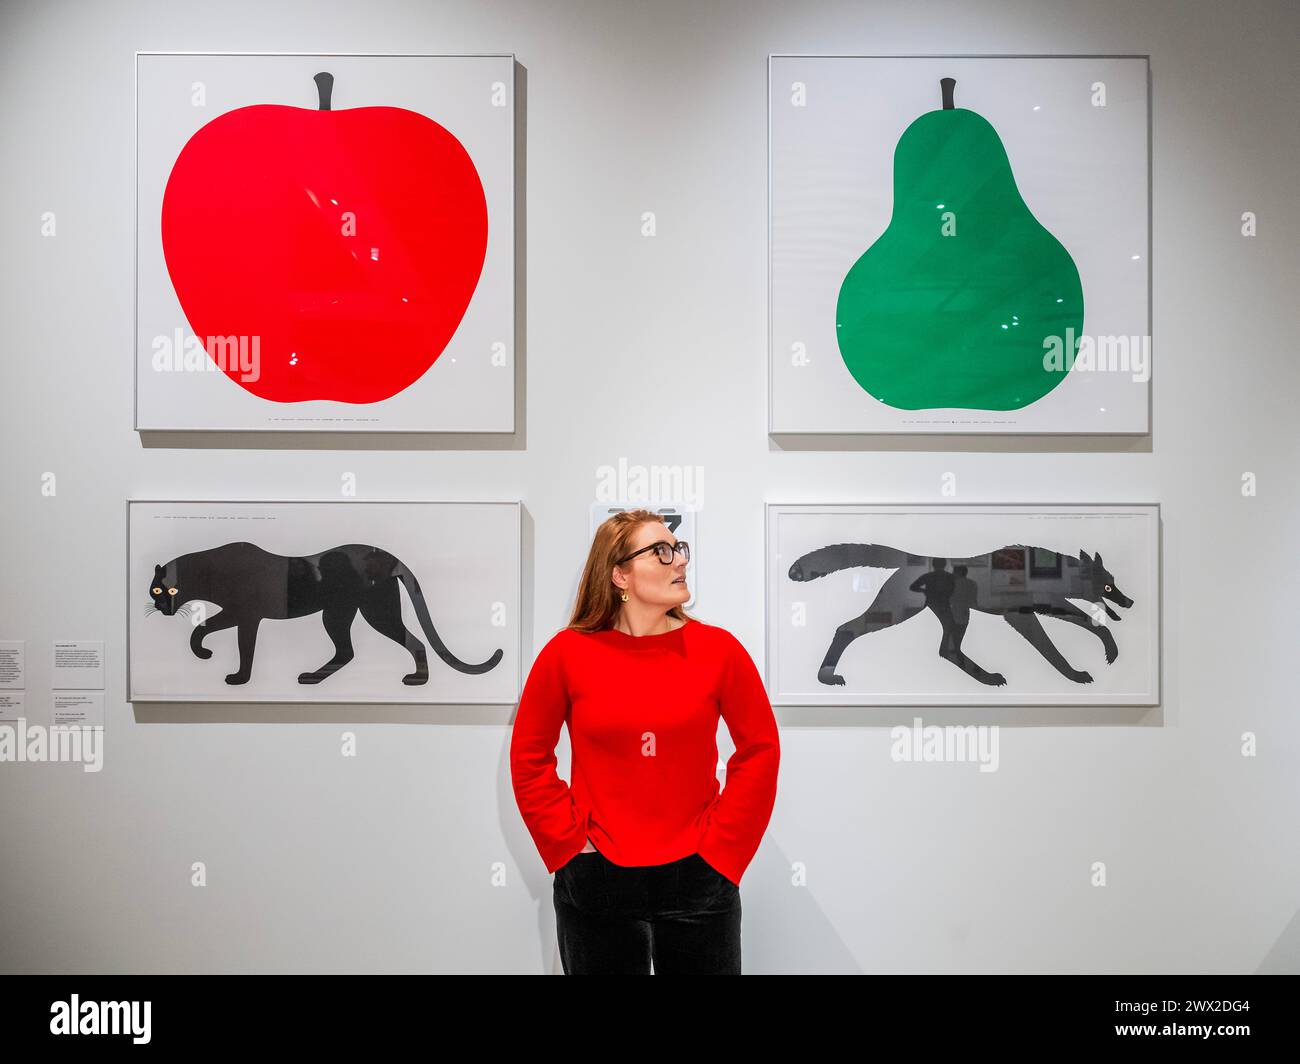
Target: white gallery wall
[652, 351]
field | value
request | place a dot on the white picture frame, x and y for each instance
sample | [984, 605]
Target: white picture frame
[1076, 133]
[276, 559]
[890, 651]
[410, 342]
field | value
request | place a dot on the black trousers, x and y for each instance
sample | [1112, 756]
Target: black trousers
[614, 920]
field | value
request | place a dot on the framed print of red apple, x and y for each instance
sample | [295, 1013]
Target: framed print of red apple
[325, 243]
[959, 244]
[370, 303]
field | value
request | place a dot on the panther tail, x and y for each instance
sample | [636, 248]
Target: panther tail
[426, 622]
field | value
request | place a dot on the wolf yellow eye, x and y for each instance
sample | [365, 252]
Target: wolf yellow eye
[157, 591]
[173, 590]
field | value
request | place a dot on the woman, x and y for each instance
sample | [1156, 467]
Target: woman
[647, 852]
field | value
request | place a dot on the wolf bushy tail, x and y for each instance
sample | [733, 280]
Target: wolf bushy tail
[846, 556]
[426, 622]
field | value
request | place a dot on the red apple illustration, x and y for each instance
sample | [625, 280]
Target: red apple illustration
[346, 244]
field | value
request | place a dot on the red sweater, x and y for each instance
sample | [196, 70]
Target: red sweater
[642, 713]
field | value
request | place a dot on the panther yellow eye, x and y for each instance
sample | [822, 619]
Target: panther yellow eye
[157, 591]
[172, 590]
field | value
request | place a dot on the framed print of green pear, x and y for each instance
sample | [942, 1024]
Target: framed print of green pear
[959, 245]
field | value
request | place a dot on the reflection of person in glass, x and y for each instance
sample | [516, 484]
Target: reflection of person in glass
[950, 596]
[937, 586]
[965, 594]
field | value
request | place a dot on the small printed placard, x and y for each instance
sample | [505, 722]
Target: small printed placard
[79, 708]
[12, 671]
[11, 705]
[79, 664]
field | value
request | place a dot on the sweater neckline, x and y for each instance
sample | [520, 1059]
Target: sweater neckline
[639, 639]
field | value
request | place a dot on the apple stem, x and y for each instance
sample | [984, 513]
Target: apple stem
[324, 86]
[947, 84]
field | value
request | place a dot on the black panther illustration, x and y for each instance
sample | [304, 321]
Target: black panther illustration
[251, 585]
[950, 594]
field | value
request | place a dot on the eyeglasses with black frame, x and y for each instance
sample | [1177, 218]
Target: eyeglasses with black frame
[664, 551]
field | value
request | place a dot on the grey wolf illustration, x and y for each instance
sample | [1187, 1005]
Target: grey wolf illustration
[951, 587]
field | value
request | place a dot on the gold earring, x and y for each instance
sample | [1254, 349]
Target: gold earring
[623, 596]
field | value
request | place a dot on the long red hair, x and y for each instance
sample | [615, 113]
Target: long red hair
[598, 601]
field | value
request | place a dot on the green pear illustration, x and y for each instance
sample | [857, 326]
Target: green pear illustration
[957, 303]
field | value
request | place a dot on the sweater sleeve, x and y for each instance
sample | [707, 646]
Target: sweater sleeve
[739, 816]
[554, 819]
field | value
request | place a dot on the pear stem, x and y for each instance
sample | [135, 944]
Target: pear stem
[324, 86]
[947, 84]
